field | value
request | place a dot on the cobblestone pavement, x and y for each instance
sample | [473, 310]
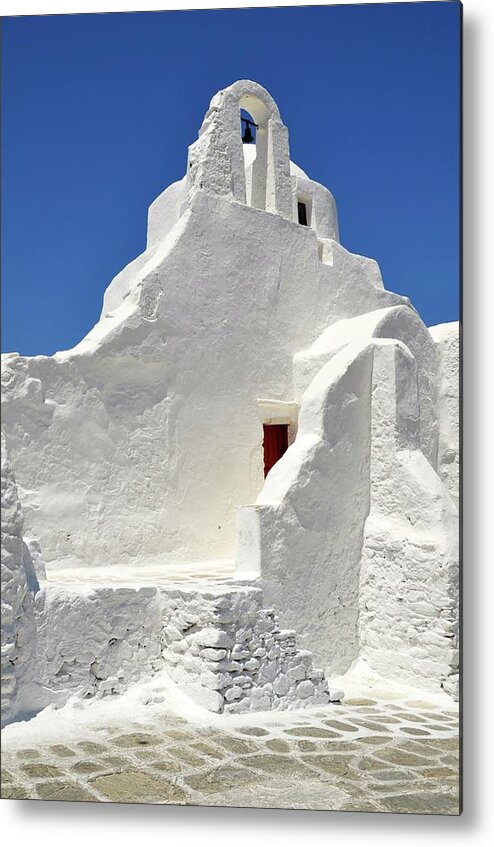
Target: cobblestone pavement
[362, 755]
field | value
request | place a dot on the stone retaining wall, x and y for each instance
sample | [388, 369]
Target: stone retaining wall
[96, 641]
[409, 608]
[19, 583]
[216, 643]
[229, 654]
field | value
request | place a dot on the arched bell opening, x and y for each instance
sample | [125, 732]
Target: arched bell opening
[269, 168]
[248, 131]
[254, 121]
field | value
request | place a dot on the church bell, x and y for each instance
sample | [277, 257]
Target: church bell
[247, 137]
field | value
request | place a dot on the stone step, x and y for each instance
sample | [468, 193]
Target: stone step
[237, 659]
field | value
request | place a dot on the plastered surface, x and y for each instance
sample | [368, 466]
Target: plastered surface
[140, 451]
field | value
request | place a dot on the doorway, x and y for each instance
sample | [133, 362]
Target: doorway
[275, 443]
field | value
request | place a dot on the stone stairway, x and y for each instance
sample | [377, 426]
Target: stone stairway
[229, 654]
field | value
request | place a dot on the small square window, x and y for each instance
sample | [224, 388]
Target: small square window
[302, 213]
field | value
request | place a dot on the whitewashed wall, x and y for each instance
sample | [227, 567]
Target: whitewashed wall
[19, 584]
[119, 444]
[139, 445]
[409, 577]
[447, 338]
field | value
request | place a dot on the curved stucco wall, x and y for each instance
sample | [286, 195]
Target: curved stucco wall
[321, 206]
[165, 211]
[138, 445]
[354, 536]
[303, 536]
[447, 338]
[409, 582]
[398, 322]
[118, 444]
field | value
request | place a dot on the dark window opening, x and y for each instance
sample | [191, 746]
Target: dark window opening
[302, 214]
[275, 443]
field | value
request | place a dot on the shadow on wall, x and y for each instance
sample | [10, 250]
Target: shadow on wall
[356, 469]
[304, 535]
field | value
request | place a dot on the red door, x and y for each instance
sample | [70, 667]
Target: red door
[275, 443]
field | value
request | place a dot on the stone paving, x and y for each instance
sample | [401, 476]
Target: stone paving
[361, 755]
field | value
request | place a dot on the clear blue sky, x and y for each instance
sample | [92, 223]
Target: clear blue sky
[98, 112]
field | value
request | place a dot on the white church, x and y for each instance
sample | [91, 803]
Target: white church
[244, 481]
